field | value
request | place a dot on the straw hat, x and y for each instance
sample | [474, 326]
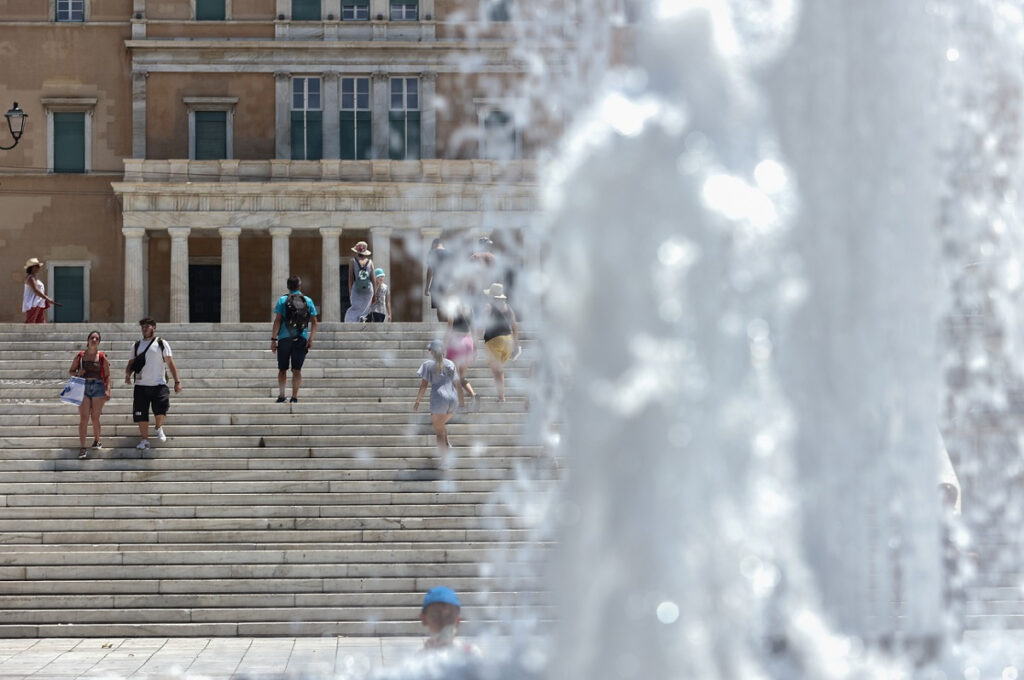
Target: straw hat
[361, 248]
[496, 291]
[33, 262]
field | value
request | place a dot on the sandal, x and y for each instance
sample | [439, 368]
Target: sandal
[83, 453]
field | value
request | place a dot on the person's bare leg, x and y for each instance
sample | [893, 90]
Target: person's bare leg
[83, 420]
[499, 380]
[97, 409]
[296, 383]
[282, 382]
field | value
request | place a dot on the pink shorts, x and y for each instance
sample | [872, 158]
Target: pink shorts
[460, 348]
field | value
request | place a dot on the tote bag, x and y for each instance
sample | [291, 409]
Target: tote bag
[74, 391]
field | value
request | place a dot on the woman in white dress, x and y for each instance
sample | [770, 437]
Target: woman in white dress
[361, 284]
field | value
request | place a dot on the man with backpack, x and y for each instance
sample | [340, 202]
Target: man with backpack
[146, 363]
[292, 336]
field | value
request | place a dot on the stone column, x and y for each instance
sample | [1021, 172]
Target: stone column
[427, 234]
[428, 114]
[229, 291]
[380, 244]
[332, 122]
[330, 284]
[133, 273]
[282, 113]
[179, 273]
[139, 114]
[279, 264]
[381, 97]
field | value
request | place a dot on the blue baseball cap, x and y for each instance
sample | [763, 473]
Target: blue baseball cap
[442, 594]
[435, 346]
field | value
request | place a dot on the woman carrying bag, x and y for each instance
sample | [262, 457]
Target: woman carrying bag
[91, 364]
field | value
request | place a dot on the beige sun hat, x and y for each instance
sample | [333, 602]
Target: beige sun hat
[496, 291]
[33, 262]
[361, 248]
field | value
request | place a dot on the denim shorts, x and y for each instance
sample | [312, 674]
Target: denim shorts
[94, 389]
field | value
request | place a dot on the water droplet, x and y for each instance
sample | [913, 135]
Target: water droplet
[668, 612]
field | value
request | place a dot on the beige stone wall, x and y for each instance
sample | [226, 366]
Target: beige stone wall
[167, 117]
[210, 29]
[62, 217]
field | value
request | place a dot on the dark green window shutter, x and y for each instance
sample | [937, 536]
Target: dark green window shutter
[69, 290]
[211, 135]
[404, 143]
[307, 135]
[210, 10]
[355, 135]
[412, 144]
[499, 10]
[69, 142]
[305, 10]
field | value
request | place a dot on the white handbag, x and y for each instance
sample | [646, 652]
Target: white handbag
[74, 391]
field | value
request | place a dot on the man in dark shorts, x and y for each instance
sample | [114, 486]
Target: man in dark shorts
[151, 391]
[292, 336]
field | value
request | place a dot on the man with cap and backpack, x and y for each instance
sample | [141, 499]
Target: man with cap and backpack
[292, 336]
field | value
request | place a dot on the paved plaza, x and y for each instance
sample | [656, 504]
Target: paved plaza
[209, 658]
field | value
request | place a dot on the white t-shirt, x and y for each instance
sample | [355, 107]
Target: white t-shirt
[153, 372]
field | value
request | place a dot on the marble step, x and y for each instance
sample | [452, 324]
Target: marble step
[69, 417]
[395, 512]
[255, 629]
[251, 440]
[411, 552]
[396, 391]
[256, 373]
[418, 456]
[470, 600]
[54, 528]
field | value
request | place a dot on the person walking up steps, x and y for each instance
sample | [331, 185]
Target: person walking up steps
[380, 311]
[361, 285]
[292, 336]
[440, 374]
[146, 365]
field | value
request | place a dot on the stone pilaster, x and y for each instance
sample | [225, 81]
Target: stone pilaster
[381, 96]
[427, 236]
[279, 264]
[380, 244]
[330, 305]
[331, 109]
[134, 263]
[179, 273]
[428, 114]
[139, 114]
[229, 291]
[282, 112]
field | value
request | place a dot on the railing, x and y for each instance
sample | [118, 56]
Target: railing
[281, 170]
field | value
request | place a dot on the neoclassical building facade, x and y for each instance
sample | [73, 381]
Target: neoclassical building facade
[183, 157]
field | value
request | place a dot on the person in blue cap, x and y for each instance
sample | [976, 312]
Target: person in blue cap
[440, 616]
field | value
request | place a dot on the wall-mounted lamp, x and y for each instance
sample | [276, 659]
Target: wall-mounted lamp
[16, 124]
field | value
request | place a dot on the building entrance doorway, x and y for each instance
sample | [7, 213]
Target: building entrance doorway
[204, 293]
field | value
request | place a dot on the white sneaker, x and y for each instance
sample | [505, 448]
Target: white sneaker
[160, 434]
[144, 444]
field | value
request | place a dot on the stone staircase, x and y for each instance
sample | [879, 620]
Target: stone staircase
[325, 517]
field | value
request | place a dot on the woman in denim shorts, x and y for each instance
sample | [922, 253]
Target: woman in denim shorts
[92, 365]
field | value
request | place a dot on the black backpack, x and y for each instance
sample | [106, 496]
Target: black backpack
[296, 314]
[138, 361]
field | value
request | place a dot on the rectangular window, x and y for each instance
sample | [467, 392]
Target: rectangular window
[355, 10]
[305, 10]
[211, 135]
[211, 10]
[499, 10]
[69, 142]
[500, 137]
[307, 120]
[355, 119]
[70, 10]
[404, 10]
[404, 120]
